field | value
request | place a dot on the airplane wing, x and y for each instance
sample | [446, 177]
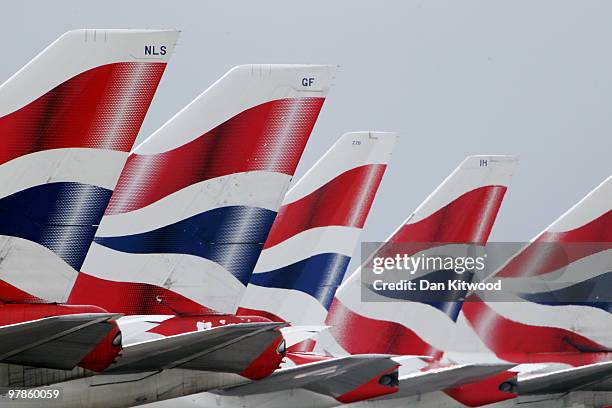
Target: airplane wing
[367, 376]
[54, 342]
[229, 348]
[592, 377]
[335, 377]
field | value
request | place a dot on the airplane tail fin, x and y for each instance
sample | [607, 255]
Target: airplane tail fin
[196, 200]
[461, 210]
[464, 207]
[67, 122]
[316, 231]
[560, 304]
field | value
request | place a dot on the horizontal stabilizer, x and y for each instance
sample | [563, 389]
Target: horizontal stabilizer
[295, 334]
[592, 377]
[443, 378]
[59, 342]
[333, 377]
[229, 348]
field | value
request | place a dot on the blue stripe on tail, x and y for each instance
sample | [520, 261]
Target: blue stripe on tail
[61, 216]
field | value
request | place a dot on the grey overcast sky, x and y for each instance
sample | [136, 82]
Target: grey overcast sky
[530, 77]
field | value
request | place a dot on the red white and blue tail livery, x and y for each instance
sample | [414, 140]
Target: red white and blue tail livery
[316, 231]
[196, 200]
[67, 122]
[562, 314]
[461, 210]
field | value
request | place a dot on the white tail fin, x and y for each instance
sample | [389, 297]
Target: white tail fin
[562, 278]
[318, 227]
[461, 210]
[67, 122]
[195, 201]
